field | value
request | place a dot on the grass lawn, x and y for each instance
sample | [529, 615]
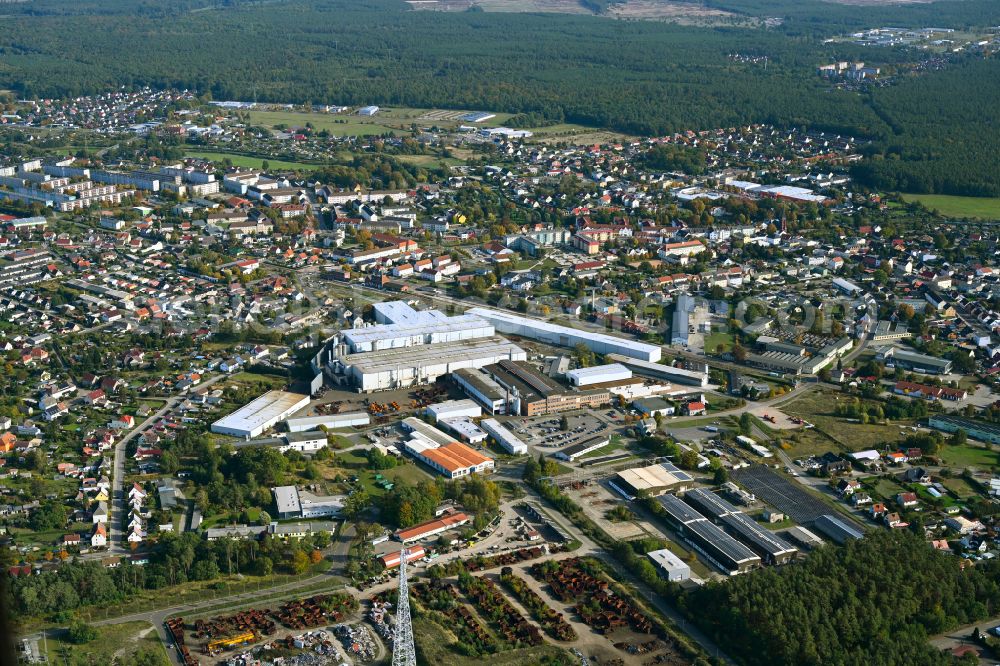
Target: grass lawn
[817, 407]
[124, 641]
[48, 537]
[247, 161]
[979, 207]
[605, 450]
[561, 128]
[272, 381]
[337, 124]
[716, 338]
[969, 456]
[408, 473]
[885, 488]
[698, 567]
[960, 487]
[355, 464]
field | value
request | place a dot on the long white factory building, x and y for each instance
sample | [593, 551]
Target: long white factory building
[423, 364]
[412, 347]
[261, 414]
[598, 374]
[504, 437]
[453, 409]
[563, 336]
[665, 372]
[435, 331]
[331, 421]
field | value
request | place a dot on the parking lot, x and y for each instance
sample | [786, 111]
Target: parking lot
[544, 433]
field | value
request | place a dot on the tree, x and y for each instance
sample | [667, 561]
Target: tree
[205, 569]
[584, 356]
[36, 460]
[739, 353]
[49, 516]
[688, 459]
[406, 517]
[958, 438]
[80, 632]
[299, 562]
[315, 557]
[962, 362]
[263, 566]
[769, 617]
[746, 424]
[356, 503]
[563, 423]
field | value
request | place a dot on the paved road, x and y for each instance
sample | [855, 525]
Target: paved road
[336, 553]
[963, 636]
[274, 594]
[116, 534]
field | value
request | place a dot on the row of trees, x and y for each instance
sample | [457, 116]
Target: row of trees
[178, 559]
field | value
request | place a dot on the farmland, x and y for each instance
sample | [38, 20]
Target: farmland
[401, 120]
[248, 161]
[395, 119]
[983, 208]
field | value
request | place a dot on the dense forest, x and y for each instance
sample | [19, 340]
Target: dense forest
[873, 602]
[931, 132]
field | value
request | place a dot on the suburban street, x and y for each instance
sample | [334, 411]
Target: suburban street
[118, 499]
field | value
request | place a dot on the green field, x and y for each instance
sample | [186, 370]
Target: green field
[969, 456]
[817, 407]
[355, 464]
[716, 338]
[960, 486]
[397, 119]
[249, 162]
[117, 643]
[978, 207]
[429, 160]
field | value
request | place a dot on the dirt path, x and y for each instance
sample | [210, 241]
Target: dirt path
[589, 642]
[133, 640]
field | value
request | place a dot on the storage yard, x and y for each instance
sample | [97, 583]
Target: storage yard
[206, 639]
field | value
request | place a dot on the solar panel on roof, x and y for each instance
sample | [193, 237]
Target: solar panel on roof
[706, 500]
[678, 473]
[725, 544]
[750, 531]
[678, 510]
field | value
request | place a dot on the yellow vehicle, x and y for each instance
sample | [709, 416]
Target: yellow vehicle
[239, 639]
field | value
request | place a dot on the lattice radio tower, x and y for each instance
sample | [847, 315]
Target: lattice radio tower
[403, 653]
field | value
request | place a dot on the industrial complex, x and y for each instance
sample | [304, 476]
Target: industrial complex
[258, 416]
[509, 323]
